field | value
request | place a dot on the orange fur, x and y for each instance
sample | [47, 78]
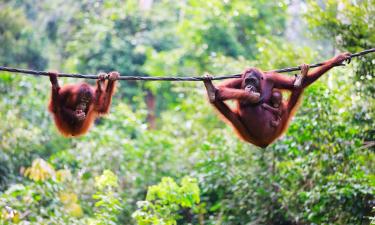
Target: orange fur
[252, 121]
[65, 104]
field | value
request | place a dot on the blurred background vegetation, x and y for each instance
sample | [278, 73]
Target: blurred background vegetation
[162, 156]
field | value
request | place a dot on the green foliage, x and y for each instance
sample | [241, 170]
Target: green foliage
[349, 21]
[350, 26]
[108, 204]
[47, 198]
[163, 201]
[212, 30]
[18, 43]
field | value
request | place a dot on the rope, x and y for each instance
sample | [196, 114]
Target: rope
[176, 78]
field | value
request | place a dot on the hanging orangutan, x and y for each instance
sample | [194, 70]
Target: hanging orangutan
[76, 106]
[260, 115]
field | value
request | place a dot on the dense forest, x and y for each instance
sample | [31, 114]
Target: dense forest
[162, 155]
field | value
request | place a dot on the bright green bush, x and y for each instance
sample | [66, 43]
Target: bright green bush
[165, 200]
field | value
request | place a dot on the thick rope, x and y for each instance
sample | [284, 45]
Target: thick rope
[176, 78]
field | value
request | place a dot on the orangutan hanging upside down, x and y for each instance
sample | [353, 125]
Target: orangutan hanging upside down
[76, 106]
[260, 115]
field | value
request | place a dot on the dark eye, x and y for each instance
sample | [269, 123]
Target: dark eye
[252, 80]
